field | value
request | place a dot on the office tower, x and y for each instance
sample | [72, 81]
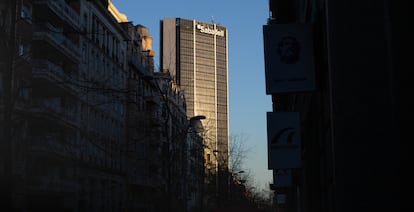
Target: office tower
[195, 54]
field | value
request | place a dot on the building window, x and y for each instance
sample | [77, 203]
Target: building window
[21, 49]
[26, 12]
[85, 23]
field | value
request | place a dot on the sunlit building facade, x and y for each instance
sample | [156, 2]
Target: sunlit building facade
[195, 54]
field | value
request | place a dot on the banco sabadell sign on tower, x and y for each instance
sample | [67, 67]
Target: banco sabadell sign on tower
[210, 31]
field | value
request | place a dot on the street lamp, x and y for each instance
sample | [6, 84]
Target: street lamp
[195, 121]
[238, 177]
[236, 184]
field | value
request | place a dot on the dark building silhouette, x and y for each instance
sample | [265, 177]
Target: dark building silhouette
[86, 124]
[350, 122]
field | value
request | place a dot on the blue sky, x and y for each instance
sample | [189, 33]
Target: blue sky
[248, 102]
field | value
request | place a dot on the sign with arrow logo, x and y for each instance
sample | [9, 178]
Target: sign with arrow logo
[283, 135]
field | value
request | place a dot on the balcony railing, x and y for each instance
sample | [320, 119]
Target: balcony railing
[55, 74]
[62, 10]
[133, 60]
[55, 37]
[145, 179]
[53, 109]
[150, 118]
[52, 144]
[51, 184]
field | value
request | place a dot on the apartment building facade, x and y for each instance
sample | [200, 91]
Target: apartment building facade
[66, 149]
[87, 125]
[143, 124]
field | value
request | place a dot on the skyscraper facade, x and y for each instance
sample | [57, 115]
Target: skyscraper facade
[195, 54]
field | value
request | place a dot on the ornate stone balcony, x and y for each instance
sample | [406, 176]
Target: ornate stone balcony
[54, 74]
[60, 9]
[56, 39]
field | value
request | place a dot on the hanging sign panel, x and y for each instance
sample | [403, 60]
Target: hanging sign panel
[288, 54]
[283, 138]
[282, 178]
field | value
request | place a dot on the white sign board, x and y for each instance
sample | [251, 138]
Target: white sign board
[281, 199]
[282, 178]
[288, 54]
[283, 139]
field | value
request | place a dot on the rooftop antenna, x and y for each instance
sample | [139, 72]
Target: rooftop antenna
[213, 21]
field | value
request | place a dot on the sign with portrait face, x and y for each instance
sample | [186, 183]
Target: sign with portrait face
[288, 51]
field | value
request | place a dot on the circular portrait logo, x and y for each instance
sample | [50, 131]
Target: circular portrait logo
[288, 50]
